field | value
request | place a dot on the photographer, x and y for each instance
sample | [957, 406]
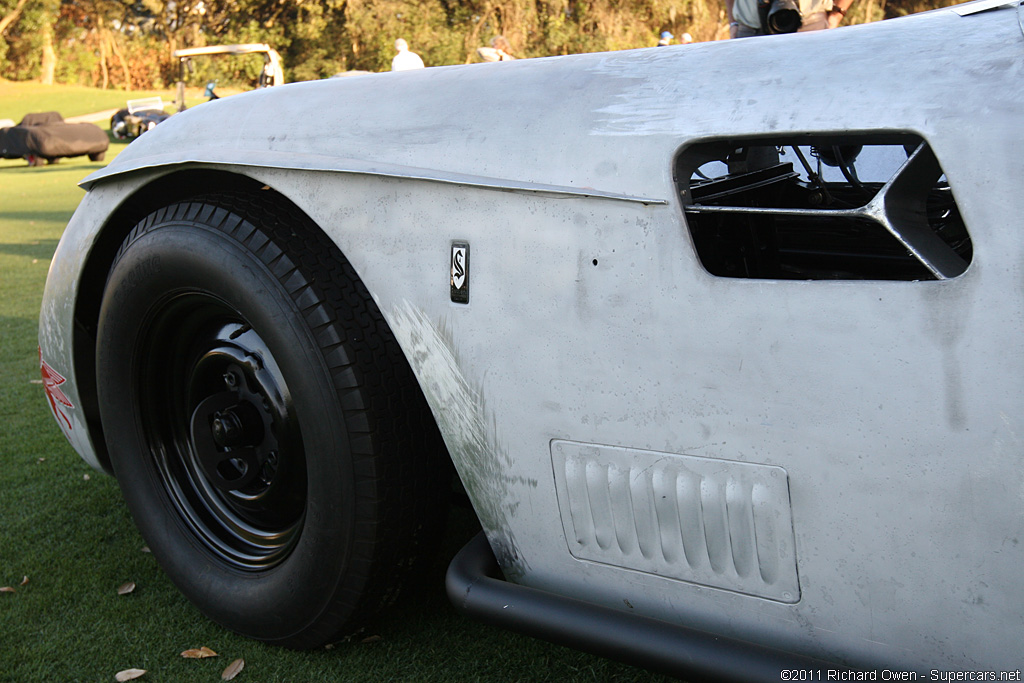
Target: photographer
[764, 17]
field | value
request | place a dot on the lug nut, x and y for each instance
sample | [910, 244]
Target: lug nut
[227, 430]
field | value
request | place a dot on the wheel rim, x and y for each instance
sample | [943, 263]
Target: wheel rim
[222, 431]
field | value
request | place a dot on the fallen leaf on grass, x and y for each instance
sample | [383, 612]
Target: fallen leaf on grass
[370, 639]
[129, 675]
[198, 653]
[6, 589]
[85, 477]
[234, 668]
[126, 588]
[24, 582]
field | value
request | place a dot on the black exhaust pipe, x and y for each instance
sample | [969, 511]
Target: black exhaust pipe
[474, 586]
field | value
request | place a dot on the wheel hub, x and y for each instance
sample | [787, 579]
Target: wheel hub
[228, 429]
[232, 430]
[230, 441]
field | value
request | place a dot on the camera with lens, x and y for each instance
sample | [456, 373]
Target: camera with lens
[779, 16]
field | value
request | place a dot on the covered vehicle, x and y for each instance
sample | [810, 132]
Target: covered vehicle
[720, 339]
[45, 137]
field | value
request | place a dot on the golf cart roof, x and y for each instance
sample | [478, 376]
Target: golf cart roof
[241, 49]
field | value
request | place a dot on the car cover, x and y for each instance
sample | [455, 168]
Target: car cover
[46, 135]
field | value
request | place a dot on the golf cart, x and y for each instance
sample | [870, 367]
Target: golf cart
[138, 117]
[272, 73]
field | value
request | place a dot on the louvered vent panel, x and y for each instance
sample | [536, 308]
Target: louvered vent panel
[716, 523]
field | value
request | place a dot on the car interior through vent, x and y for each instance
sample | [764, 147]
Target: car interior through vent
[818, 207]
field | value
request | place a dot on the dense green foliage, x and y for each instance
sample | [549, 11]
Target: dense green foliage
[128, 43]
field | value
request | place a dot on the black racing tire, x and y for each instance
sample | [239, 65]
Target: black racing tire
[266, 432]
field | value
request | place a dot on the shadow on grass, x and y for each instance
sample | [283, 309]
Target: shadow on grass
[39, 249]
[51, 168]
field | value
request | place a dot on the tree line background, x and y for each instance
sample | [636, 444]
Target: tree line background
[127, 44]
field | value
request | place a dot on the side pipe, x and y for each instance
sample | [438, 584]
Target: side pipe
[474, 586]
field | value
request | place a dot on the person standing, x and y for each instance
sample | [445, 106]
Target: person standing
[406, 59]
[814, 15]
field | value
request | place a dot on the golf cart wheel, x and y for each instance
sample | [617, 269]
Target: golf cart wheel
[263, 425]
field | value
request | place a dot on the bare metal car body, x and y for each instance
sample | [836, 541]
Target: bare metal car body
[822, 465]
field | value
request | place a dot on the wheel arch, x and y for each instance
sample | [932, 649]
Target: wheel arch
[158, 192]
[217, 279]
[146, 198]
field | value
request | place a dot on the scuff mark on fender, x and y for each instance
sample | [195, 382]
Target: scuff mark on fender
[470, 433]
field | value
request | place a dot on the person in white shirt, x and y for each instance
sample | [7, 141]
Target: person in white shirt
[406, 59]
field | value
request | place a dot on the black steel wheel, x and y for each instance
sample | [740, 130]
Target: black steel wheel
[266, 432]
[224, 430]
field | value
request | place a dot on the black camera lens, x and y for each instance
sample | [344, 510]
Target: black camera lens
[784, 16]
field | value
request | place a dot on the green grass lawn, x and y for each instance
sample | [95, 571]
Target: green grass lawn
[65, 532]
[18, 99]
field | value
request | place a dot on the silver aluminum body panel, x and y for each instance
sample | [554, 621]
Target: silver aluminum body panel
[895, 409]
